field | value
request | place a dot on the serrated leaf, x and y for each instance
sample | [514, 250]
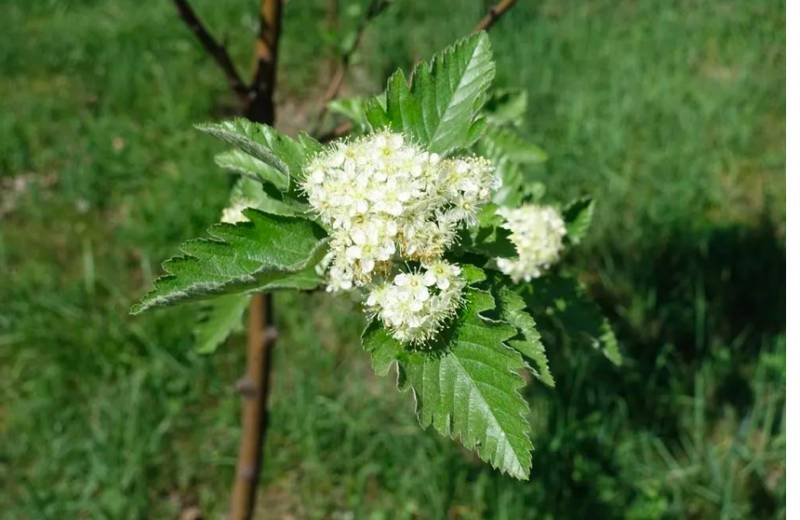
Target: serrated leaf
[563, 300]
[375, 112]
[504, 144]
[468, 387]
[239, 162]
[512, 309]
[268, 252]
[222, 317]
[577, 218]
[441, 107]
[283, 154]
[488, 238]
[507, 106]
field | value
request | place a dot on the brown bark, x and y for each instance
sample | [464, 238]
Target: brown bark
[261, 105]
[261, 332]
[494, 14]
[254, 389]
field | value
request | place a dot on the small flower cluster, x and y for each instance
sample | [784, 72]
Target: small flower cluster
[416, 305]
[387, 202]
[537, 232]
[234, 213]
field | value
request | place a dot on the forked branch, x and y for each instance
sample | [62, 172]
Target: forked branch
[212, 47]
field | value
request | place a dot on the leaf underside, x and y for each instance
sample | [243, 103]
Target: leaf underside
[468, 387]
[268, 252]
[500, 143]
[222, 317]
[280, 158]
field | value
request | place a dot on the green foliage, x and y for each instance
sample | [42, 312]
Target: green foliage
[512, 309]
[578, 217]
[501, 143]
[562, 300]
[488, 238]
[507, 106]
[353, 109]
[468, 385]
[268, 154]
[440, 109]
[222, 317]
[269, 252]
[616, 106]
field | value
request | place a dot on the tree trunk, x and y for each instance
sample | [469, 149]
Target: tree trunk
[261, 332]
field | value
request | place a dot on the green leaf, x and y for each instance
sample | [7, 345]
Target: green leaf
[507, 106]
[375, 112]
[269, 252]
[513, 310]
[251, 193]
[578, 217]
[501, 144]
[351, 108]
[283, 154]
[222, 317]
[239, 162]
[441, 108]
[564, 301]
[468, 386]
[488, 238]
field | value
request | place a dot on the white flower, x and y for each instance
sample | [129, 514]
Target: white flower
[387, 202]
[441, 274]
[233, 214]
[415, 306]
[537, 233]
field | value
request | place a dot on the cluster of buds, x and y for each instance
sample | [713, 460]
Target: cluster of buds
[388, 203]
[537, 233]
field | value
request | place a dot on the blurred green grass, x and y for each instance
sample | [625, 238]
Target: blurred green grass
[671, 114]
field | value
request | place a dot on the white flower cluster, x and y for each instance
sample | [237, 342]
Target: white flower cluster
[537, 232]
[385, 202]
[415, 305]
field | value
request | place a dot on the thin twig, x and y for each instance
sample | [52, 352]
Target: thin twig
[375, 8]
[212, 47]
[343, 129]
[494, 14]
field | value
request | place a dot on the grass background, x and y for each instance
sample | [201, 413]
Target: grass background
[671, 114]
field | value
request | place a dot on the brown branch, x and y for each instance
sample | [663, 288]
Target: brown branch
[212, 47]
[494, 14]
[261, 332]
[254, 389]
[261, 106]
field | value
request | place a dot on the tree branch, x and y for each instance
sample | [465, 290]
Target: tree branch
[254, 389]
[212, 47]
[261, 332]
[494, 14]
[261, 105]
